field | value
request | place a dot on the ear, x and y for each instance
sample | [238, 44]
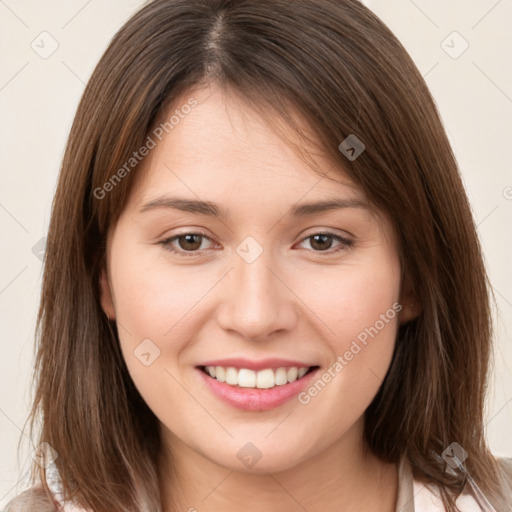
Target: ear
[107, 303]
[411, 306]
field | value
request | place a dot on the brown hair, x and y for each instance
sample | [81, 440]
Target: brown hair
[346, 73]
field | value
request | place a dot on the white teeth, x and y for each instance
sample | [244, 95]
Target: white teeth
[280, 377]
[263, 379]
[220, 373]
[291, 374]
[232, 376]
[246, 378]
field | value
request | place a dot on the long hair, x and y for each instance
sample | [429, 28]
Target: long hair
[346, 74]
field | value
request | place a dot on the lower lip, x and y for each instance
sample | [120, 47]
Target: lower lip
[253, 399]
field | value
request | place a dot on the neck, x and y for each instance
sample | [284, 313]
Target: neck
[343, 477]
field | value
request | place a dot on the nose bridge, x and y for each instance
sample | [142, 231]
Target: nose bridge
[256, 302]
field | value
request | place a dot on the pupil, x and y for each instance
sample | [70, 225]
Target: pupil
[323, 239]
[189, 241]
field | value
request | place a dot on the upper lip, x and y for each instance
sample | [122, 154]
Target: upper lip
[240, 362]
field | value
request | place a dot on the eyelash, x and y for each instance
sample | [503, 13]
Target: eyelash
[345, 243]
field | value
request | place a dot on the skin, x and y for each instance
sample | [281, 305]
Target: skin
[298, 300]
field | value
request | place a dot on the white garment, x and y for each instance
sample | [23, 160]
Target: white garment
[414, 496]
[425, 500]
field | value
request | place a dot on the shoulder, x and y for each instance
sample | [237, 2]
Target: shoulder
[34, 499]
[38, 499]
[414, 495]
[426, 498]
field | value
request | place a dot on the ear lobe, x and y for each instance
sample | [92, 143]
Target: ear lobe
[411, 306]
[411, 309]
[107, 303]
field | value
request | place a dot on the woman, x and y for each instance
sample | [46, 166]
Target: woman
[262, 279]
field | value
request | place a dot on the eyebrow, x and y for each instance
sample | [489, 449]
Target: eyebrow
[210, 209]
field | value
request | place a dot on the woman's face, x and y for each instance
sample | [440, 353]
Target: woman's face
[231, 253]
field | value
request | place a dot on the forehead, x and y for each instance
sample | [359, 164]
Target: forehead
[221, 148]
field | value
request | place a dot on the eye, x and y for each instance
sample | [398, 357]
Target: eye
[191, 244]
[322, 242]
[187, 243]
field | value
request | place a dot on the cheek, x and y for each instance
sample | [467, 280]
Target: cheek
[359, 308]
[151, 304]
[367, 310]
[159, 306]
[153, 298]
[350, 299]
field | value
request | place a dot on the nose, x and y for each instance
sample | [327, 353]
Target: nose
[256, 302]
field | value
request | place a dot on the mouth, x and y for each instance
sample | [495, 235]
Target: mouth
[259, 389]
[266, 378]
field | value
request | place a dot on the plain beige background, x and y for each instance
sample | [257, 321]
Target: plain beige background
[461, 47]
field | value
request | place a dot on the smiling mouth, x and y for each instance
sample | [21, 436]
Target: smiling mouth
[263, 379]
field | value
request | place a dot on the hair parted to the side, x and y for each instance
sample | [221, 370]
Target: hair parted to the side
[345, 73]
